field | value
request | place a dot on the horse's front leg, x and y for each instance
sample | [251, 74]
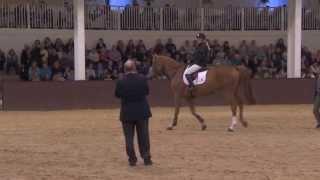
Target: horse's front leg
[197, 116]
[177, 103]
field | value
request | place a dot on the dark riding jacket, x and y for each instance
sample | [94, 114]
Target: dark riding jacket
[201, 55]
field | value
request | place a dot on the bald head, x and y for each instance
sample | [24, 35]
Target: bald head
[130, 66]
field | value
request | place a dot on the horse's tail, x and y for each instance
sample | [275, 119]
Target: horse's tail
[245, 83]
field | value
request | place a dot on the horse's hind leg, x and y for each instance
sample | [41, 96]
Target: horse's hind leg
[197, 116]
[234, 116]
[176, 112]
[241, 119]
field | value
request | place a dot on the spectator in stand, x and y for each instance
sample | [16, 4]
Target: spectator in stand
[243, 48]
[68, 74]
[246, 61]
[158, 48]
[141, 44]
[177, 57]
[252, 49]
[140, 54]
[57, 72]
[253, 65]
[90, 73]
[69, 46]
[100, 45]
[315, 67]
[273, 70]
[108, 64]
[25, 62]
[226, 48]
[44, 54]
[122, 49]
[52, 56]
[93, 56]
[60, 52]
[171, 47]
[189, 59]
[194, 45]
[104, 55]
[263, 70]
[215, 46]
[141, 51]
[114, 74]
[100, 72]
[305, 52]
[2, 60]
[45, 72]
[47, 43]
[181, 55]
[58, 44]
[131, 49]
[115, 55]
[67, 57]
[187, 46]
[142, 68]
[12, 61]
[280, 45]
[34, 72]
[236, 60]
[36, 52]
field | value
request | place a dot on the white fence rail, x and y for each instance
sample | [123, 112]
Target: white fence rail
[25, 15]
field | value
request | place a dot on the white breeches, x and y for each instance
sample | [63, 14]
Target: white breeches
[192, 69]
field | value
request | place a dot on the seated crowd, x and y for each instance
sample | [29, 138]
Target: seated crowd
[48, 60]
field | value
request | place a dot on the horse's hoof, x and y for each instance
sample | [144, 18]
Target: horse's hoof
[230, 130]
[245, 124]
[169, 128]
[204, 127]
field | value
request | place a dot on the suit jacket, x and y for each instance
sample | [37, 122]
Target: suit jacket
[317, 87]
[132, 90]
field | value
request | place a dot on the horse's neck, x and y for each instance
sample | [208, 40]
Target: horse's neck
[172, 69]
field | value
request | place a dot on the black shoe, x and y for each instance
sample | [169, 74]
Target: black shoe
[132, 163]
[318, 126]
[148, 162]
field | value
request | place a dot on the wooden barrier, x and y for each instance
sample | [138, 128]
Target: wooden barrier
[100, 94]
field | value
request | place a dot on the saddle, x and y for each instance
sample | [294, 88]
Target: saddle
[196, 74]
[199, 77]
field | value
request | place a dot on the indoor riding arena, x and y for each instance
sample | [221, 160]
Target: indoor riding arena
[60, 62]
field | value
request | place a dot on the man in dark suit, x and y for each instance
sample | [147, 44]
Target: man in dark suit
[135, 112]
[316, 104]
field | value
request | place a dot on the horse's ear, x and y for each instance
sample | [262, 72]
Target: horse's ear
[154, 56]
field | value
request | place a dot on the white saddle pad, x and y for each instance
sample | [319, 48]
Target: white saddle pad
[201, 79]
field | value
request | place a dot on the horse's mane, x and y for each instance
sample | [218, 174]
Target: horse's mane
[170, 61]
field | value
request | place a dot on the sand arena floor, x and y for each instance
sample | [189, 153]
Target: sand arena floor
[280, 144]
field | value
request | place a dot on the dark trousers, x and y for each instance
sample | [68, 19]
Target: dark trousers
[142, 128]
[316, 108]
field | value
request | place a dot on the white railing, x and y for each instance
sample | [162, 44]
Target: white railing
[25, 15]
[13, 15]
[185, 19]
[263, 18]
[222, 19]
[311, 19]
[43, 16]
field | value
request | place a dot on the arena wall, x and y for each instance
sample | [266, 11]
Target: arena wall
[13, 38]
[100, 94]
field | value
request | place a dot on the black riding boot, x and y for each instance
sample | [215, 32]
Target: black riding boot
[190, 80]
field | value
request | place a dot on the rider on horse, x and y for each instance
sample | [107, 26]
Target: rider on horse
[200, 58]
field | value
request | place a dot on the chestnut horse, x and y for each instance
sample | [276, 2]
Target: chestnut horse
[233, 82]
